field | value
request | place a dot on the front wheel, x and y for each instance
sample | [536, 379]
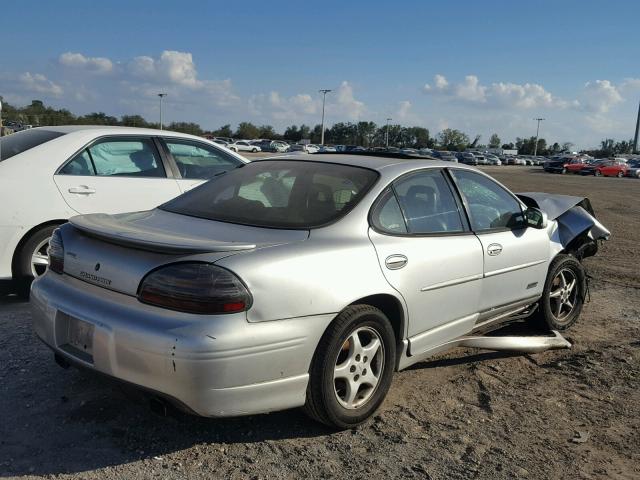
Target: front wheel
[563, 294]
[620, 174]
[597, 173]
[255, 150]
[352, 368]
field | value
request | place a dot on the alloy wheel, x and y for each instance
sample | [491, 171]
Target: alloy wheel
[564, 294]
[40, 258]
[358, 368]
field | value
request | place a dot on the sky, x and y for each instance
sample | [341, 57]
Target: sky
[478, 66]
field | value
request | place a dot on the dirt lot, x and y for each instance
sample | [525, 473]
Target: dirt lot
[467, 414]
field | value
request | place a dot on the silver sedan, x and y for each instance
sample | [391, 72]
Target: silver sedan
[308, 281]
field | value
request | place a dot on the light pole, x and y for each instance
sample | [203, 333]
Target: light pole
[535, 147]
[324, 92]
[635, 138]
[0, 130]
[161, 95]
[387, 141]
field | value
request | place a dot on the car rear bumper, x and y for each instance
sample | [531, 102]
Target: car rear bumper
[216, 366]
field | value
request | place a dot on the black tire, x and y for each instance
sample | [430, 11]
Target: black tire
[322, 402]
[547, 312]
[597, 173]
[564, 170]
[22, 273]
[620, 174]
[255, 150]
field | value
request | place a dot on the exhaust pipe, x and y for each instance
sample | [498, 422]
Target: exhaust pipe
[159, 406]
[532, 344]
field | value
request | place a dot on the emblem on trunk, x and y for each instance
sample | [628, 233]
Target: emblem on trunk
[97, 267]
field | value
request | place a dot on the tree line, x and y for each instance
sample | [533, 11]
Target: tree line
[366, 134]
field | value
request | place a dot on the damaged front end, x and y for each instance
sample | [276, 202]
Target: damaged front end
[578, 230]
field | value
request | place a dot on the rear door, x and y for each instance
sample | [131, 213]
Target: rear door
[428, 254]
[197, 162]
[515, 257]
[116, 174]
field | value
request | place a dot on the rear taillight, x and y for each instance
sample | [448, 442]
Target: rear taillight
[56, 252]
[195, 288]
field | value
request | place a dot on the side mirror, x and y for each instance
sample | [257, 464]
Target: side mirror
[535, 218]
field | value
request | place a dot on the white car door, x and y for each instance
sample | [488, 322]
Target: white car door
[516, 258]
[198, 162]
[114, 175]
[428, 254]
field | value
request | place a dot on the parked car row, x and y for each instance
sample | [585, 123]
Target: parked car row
[600, 167]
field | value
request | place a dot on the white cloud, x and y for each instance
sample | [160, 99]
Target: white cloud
[38, 83]
[600, 96]
[341, 105]
[99, 65]
[500, 94]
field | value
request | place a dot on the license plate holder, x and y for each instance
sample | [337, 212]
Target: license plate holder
[77, 337]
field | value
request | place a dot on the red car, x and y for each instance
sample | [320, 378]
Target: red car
[606, 168]
[575, 165]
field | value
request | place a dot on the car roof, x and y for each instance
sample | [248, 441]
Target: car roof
[115, 130]
[375, 162]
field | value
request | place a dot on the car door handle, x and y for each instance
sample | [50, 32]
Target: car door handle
[394, 262]
[82, 190]
[494, 249]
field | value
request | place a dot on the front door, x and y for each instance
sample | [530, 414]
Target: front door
[427, 253]
[515, 257]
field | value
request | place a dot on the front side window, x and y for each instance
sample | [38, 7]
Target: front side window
[199, 161]
[490, 206]
[126, 157]
[278, 194]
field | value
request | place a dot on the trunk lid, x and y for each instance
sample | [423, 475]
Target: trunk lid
[117, 251]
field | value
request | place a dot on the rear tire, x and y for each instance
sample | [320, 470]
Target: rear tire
[33, 249]
[563, 294]
[352, 368]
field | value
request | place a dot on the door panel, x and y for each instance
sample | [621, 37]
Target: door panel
[441, 279]
[91, 194]
[515, 266]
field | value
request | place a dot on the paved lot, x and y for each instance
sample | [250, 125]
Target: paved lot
[570, 413]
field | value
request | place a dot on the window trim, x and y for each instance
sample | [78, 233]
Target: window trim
[168, 172]
[174, 164]
[467, 209]
[466, 226]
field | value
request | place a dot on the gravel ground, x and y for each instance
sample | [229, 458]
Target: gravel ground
[465, 414]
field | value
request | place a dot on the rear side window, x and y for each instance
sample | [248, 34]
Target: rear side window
[423, 204]
[278, 194]
[123, 157]
[17, 143]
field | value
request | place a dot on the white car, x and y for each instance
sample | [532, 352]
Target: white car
[243, 146]
[304, 148]
[50, 174]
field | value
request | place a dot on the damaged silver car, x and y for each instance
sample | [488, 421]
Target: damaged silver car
[309, 282]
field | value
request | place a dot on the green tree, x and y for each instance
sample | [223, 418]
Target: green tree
[247, 130]
[133, 121]
[494, 141]
[452, 139]
[185, 127]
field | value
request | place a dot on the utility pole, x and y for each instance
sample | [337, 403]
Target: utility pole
[535, 148]
[161, 95]
[324, 92]
[387, 141]
[635, 139]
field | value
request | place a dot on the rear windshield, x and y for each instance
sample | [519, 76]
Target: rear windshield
[16, 143]
[278, 194]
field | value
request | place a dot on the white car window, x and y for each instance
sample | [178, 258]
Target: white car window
[199, 161]
[80, 165]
